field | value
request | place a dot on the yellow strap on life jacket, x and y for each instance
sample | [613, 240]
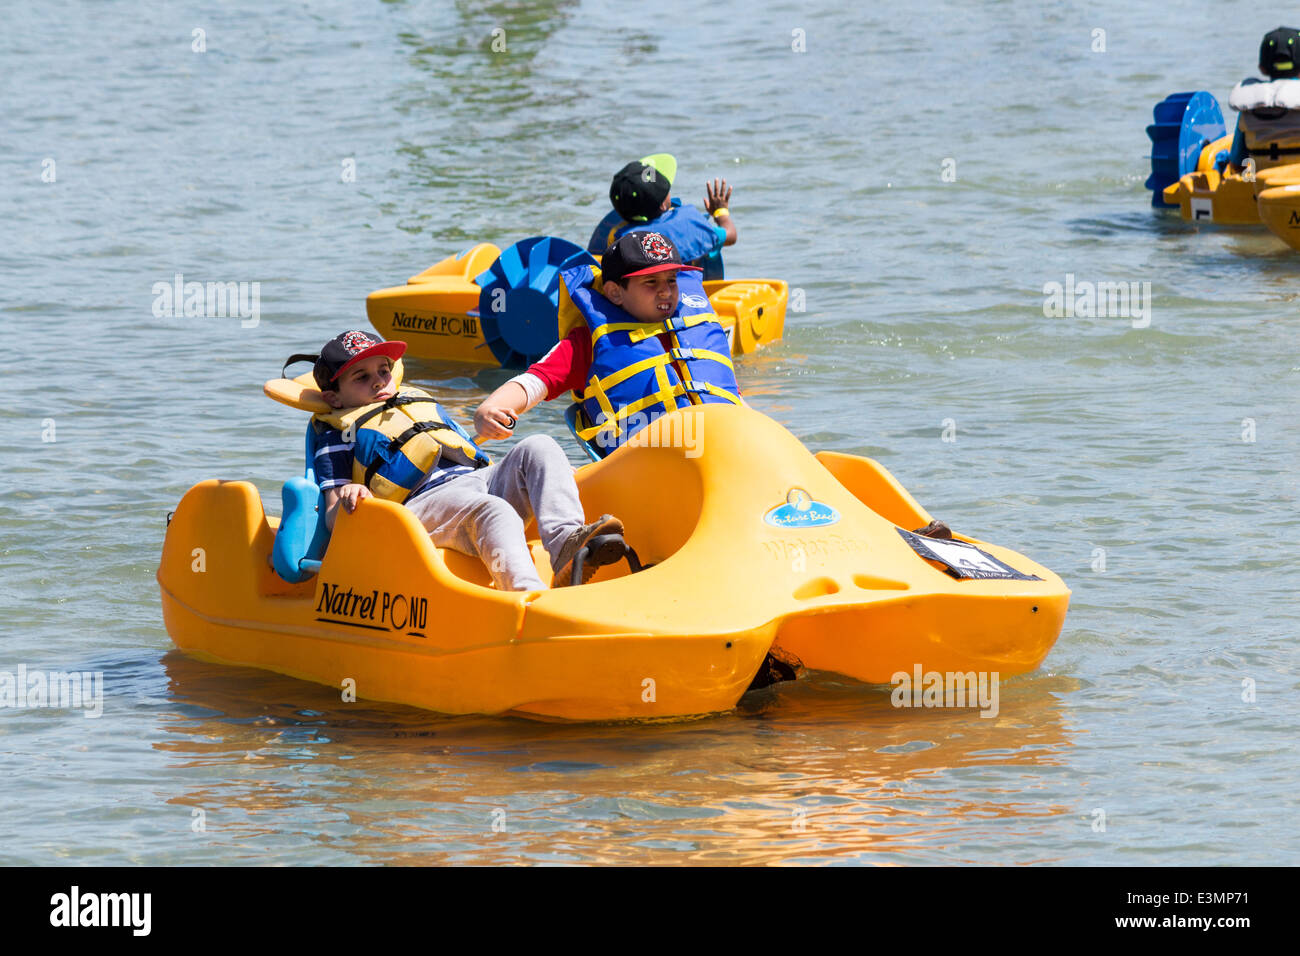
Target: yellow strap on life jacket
[659, 363]
[627, 371]
[719, 392]
[614, 419]
[664, 395]
[640, 331]
[677, 355]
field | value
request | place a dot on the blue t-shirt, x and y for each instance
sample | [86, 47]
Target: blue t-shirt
[681, 224]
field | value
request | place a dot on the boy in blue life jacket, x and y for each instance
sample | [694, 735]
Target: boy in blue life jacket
[639, 338]
[642, 201]
[643, 309]
[1268, 111]
[398, 443]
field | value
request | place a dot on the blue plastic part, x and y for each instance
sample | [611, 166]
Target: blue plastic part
[1184, 124]
[571, 416]
[303, 535]
[297, 538]
[713, 267]
[521, 298]
[1221, 159]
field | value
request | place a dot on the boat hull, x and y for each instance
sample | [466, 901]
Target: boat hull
[804, 553]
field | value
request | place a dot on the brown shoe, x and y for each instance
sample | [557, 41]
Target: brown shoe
[935, 529]
[604, 525]
[779, 665]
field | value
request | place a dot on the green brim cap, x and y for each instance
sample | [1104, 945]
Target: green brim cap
[664, 164]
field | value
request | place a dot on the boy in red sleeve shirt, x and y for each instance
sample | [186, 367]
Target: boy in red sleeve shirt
[639, 275]
[645, 289]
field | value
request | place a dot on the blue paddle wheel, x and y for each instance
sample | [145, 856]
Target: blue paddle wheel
[521, 298]
[1184, 124]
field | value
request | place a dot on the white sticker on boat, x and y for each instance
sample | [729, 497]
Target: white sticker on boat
[1202, 209]
[963, 560]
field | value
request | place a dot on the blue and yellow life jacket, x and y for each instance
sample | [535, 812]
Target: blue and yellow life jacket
[692, 231]
[633, 379]
[400, 440]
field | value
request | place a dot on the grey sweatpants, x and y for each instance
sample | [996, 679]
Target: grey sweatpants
[484, 513]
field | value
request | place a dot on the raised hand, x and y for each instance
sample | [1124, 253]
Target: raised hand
[717, 195]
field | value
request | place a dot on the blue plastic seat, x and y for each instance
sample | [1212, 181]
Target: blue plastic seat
[303, 535]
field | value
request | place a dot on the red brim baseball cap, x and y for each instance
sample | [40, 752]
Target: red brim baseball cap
[639, 254]
[667, 267]
[346, 349]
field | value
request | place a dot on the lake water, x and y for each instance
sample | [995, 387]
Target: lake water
[922, 176]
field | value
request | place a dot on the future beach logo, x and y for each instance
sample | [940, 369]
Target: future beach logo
[801, 511]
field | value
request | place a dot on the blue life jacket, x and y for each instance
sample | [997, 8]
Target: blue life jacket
[400, 440]
[603, 235]
[693, 232]
[633, 379]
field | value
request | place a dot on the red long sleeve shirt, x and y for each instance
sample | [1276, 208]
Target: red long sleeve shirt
[564, 368]
[567, 366]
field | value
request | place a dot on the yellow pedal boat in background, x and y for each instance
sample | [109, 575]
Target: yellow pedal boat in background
[1269, 197]
[498, 307]
[807, 553]
[1189, 171]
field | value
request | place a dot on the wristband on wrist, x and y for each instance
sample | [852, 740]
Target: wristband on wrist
[720, 212]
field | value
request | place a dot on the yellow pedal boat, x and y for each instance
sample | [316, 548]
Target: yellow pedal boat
[1190, 172]
[807, 552]
[1270, 197]
[498, 307]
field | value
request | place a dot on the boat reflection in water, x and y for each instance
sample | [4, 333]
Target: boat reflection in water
[820, 770]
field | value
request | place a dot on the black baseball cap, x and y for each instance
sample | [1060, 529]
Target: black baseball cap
[345, 350]
[1279, 53]
[639, 254]
[639, 190]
